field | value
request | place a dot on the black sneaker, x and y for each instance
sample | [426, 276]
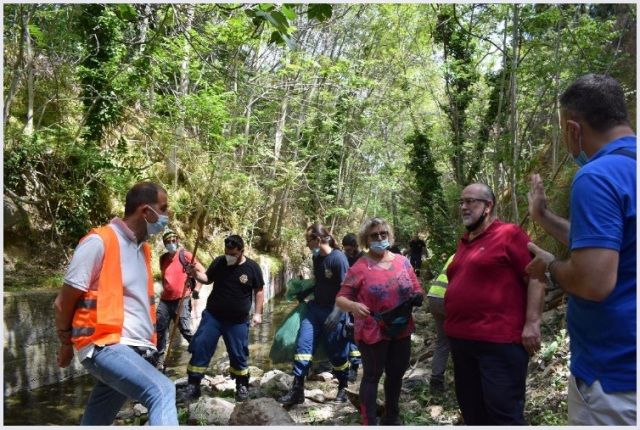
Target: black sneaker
[341, 397]
[242, 393]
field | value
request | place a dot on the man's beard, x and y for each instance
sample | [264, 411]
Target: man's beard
[476, 224]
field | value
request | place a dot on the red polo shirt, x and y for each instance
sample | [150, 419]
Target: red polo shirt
[486, 298]
[173, 277]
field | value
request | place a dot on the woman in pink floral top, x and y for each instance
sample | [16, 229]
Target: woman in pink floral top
[378, 282]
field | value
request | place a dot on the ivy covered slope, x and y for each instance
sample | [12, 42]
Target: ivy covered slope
[265, 118]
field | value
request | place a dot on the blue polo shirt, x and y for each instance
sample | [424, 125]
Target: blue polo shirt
[329, 271]
[603, 215]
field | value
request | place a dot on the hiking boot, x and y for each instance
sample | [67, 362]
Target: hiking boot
[295, 394]
[353, 373]
[242, 393]
[341, 397]
[191, 392]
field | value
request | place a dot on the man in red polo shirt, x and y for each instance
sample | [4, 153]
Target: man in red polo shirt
[492, 313]
[173, 280]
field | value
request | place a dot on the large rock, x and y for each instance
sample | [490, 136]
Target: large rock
[13, 214]
[264, 411]
[322, 377]
[210, 411]
[276, 380]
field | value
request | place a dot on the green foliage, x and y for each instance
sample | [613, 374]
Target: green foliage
[432, 203]
[267, 140]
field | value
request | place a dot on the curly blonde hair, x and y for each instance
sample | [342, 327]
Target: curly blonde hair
[368, 225]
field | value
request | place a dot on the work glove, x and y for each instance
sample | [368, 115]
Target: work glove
[195, 294]
[348, 330]
[416, 300]
[303, 294]
[334, 318]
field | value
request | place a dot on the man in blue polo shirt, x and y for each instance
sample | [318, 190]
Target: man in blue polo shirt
[600, 274]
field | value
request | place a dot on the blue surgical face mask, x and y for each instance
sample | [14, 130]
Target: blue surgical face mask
[581, 159]
[379, 245]
[171, 247]
[159, 225]
[315, 251]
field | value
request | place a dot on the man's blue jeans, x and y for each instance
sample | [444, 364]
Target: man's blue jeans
[123, 374]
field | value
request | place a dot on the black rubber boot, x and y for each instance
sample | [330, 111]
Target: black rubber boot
[295, 394]
[191, 392]
[341, 397]
[353, 373]
[242, 388]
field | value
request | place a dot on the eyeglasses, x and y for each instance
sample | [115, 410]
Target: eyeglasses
[469, 201]
[379, 235]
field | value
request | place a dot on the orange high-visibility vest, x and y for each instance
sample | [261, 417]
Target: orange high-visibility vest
[99, 314]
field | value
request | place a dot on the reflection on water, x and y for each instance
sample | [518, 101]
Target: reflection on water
[63, 404]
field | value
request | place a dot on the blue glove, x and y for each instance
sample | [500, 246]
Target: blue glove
[334, 318]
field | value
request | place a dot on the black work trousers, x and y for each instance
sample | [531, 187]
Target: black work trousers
[490, 381]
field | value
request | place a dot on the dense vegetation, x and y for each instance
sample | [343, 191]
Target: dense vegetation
[261, 119]
[266, 118]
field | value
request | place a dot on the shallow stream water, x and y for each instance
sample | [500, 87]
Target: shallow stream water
[63, 403]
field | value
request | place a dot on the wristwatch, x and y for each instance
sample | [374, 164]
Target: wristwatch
[547, 273]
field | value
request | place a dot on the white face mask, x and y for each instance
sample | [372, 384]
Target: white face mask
[171, 247]
[231, 259]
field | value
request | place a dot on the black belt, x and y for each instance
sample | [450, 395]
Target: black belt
[149, 354]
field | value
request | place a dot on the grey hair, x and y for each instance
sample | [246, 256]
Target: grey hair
[368, 225]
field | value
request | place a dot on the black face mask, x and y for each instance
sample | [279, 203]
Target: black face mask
[478, 223]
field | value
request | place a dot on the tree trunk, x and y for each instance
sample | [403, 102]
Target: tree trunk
[28, 129]
[183, 89]
[279, 135]
[514, 117]
[19, 64]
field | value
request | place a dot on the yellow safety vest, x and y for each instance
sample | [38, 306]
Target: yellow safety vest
[438, 287]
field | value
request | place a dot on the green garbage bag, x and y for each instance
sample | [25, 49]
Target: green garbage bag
[283, 347]
[295, 286]
[284, 342]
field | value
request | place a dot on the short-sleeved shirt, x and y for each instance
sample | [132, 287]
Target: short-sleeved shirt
[329, 271]
[486, 297]
[416, 246]
[380, 289]
[173, 275]
[352, 260]
[603, 215]
[84, 271]
[233, 288]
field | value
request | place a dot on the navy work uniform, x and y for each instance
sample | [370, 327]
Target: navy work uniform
[329, 272]
[226, 315]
